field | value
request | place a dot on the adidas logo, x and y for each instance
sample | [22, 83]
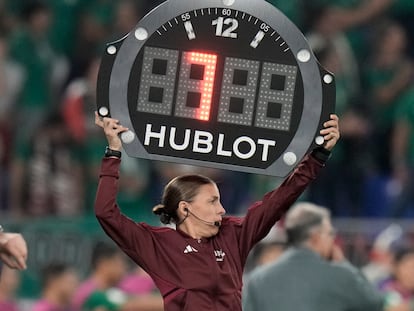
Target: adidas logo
[190, 249]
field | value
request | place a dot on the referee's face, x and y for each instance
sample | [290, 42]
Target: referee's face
[206, 210]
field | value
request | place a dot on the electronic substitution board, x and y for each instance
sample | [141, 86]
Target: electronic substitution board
[229, 84]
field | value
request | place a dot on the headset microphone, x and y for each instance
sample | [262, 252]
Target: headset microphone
[211, 223]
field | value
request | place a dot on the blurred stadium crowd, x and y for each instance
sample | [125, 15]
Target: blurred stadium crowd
[50, 149]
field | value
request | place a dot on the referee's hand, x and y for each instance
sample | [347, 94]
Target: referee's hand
[330, 132]
[112, 129]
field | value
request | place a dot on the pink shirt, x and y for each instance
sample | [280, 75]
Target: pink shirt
[8, 306]
[137, 284]
[44, 305]
[83, 292]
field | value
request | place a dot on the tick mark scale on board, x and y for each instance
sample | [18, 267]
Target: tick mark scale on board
[190, 30]
[257, 39]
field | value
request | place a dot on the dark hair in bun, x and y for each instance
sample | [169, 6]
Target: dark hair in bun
[181, 188]
[160, 210]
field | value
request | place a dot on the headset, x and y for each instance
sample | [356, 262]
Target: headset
[211, 223]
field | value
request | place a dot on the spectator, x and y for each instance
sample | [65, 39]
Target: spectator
[65, 21]
[59, 282]
[101, 289]
[344, 195]
[9, 284]
[109, 300]
[354, 20]
[7, 21]
[79, 103]
[379, 267]
[115, 299]
[312, 274]
[108, 268]
[268, 249]
[47, 175]
[400, 288]
[340, 16]
[138, 282]
[11, 78]
[94, 29]
[402, 157]
[389, 79]
[30, 47]
[273, 246]
[402, 11]
[128, 13]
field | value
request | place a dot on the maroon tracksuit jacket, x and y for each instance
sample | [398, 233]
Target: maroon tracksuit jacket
[192, 274]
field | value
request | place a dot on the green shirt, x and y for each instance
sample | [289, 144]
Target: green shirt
[405, 113]
[109, 300]
[384, 112]
[66, 15]
[36, 57]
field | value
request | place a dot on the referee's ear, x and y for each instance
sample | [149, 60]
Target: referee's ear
[182, 209]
